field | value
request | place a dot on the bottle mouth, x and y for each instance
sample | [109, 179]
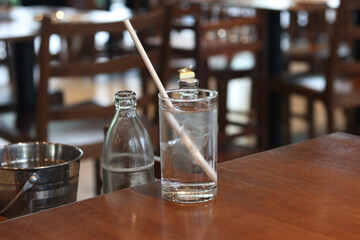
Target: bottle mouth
[125, 94]
[125, 99]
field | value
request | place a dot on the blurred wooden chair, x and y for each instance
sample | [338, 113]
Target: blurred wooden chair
[78, 46]
[188, 21]
[338, 86]
[308, 37]
[182, 37]
[82, 124]
[234, 36]
[221, 34]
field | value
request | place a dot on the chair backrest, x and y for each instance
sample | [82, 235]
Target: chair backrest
[183, 15]
[228, 35]
[344, 57]
[231, 34]
[219, 30]
[148, 25]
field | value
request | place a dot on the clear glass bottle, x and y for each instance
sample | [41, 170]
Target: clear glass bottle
[127, 155]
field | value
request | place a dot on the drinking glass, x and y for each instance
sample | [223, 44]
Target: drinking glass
[189, 152]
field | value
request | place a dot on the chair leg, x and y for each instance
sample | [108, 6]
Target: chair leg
[262, 114]
[310, 118]
[330, 119]
[10, 64]
[222, 88]
[98, 180]
[351, 121]
[202, 73]
[286, 119]
[143, 76]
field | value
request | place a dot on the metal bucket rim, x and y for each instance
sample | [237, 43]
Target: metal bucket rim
[81, 153]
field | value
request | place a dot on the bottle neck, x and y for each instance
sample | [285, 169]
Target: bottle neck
[191, 86]
[125, 102]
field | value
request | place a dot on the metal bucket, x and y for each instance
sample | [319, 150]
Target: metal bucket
[37, 176]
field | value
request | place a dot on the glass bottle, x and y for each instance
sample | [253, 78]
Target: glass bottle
[127, 155]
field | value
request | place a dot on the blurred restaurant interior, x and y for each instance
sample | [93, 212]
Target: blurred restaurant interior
[286, 71]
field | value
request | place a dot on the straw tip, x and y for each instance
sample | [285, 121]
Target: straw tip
[128, 25]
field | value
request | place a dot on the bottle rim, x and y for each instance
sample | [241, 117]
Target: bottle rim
[125, 94]
[203, 95]
[125, 99]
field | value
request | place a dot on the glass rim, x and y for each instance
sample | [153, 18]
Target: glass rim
[207, 98]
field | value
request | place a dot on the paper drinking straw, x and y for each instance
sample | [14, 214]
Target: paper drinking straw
[194, 151]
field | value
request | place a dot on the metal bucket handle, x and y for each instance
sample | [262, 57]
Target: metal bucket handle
[28, 185]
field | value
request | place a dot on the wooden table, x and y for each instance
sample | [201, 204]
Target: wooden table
[309, 190]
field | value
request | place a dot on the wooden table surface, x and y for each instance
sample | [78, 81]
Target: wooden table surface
[309, 190]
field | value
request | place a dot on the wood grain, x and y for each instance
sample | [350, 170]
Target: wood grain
[309, 190]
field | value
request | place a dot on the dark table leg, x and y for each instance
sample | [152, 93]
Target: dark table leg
[24, 74]
[275, 66]
[23, 53]
[357, 56]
